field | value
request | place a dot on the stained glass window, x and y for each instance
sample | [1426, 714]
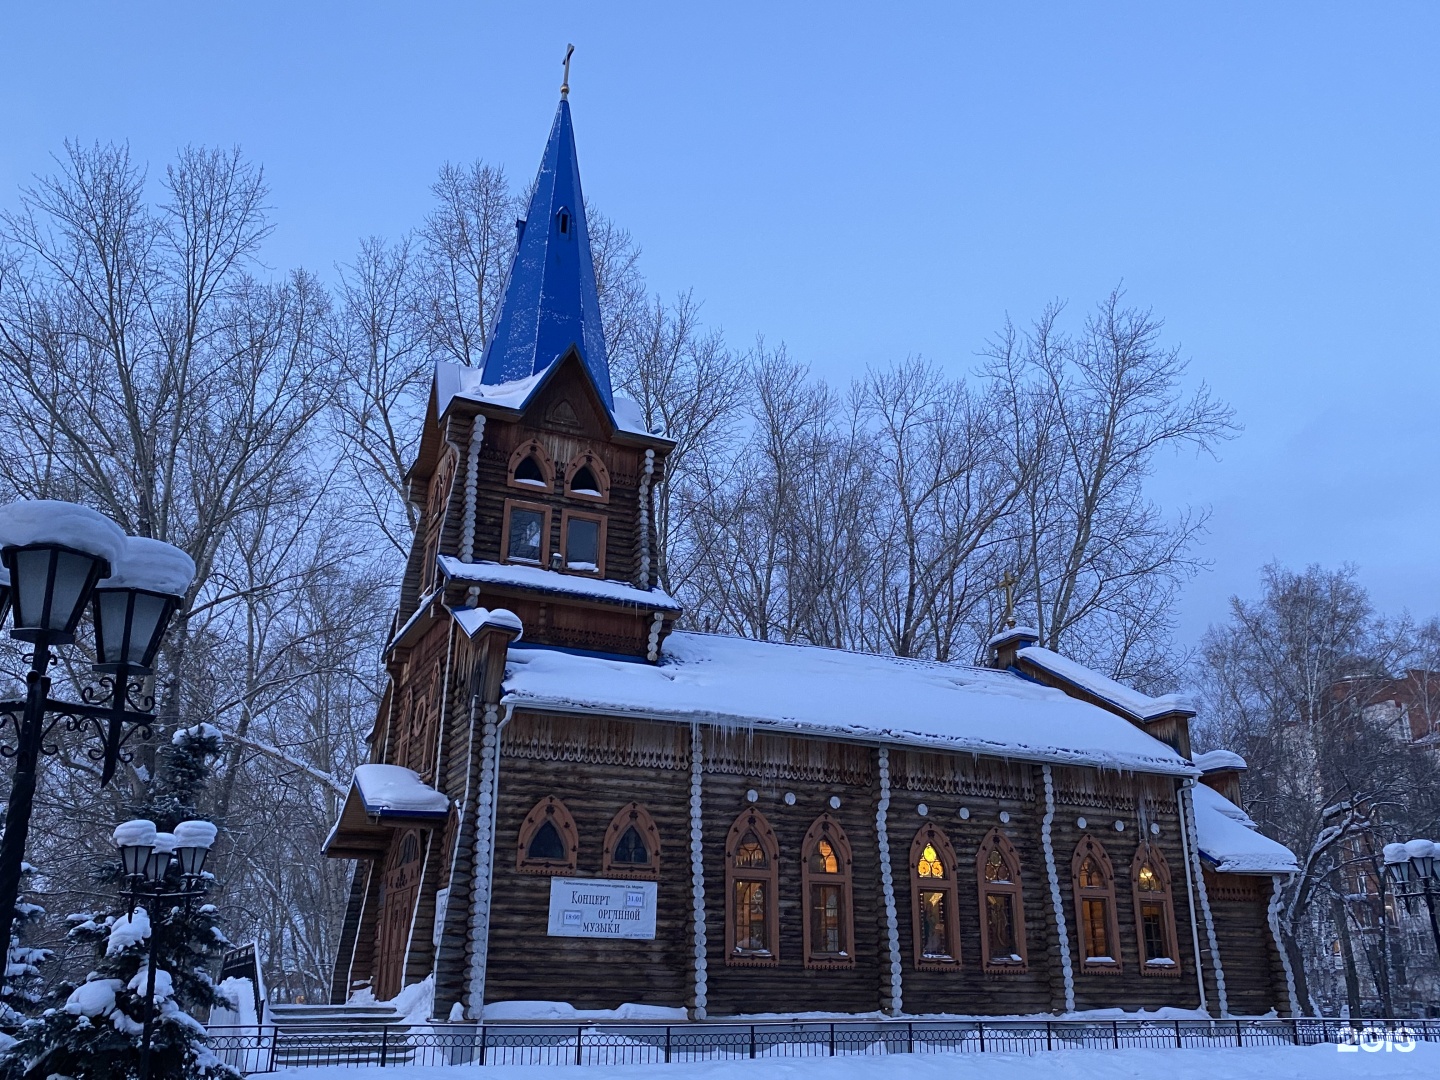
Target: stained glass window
[1090, 875]
[930, 865]
[750, 855]
[823, 860]
[825, 915]
[1000, 928]
[995, 868]
[1146, 881]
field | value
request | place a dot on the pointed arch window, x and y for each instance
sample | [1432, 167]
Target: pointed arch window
[548, 842]
[564, 221]
[1002, 908]
[531, 467]
[632, 844]
[935, 922]
[1154, 912]
[752, 877]
[825, 885]
[1093, 881]
[587, 479]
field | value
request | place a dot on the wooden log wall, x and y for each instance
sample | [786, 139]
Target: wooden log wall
[1254, 974]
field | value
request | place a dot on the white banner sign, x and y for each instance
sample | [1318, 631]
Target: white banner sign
[598, 908]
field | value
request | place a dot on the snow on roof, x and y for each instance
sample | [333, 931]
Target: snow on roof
[804, 688]
[455, 381]
[1215, 760]
[395, 789]
[1131, 700]
[533, 577]
[472, 619]
[1231, 841]
[1014, 633]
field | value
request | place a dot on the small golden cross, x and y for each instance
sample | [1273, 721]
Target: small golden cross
[1008, 583]
[565, 85]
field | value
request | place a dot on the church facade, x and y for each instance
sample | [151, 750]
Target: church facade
[570, 800]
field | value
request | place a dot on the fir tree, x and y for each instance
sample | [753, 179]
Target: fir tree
[22, 974]
[95, 1031]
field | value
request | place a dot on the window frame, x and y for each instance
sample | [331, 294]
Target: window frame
[511, 505]
[531, 448]
[566, 516]
[553, 810]
[826, 827]
[635, 814]
[1089, 847]
[752, 820]
[1146, 852]
[930, 833]
[996, 841]
[602, 476]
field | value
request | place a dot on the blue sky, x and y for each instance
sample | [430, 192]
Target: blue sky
[870, 181]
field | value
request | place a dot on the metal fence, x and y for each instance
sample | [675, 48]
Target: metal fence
[264, 1049]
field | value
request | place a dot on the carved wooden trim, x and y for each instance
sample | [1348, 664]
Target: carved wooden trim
[932, 835]
[544, 511]
[598, 741]
[751, 820]
[1012, 890]
[531, 448]
[962, 774]
[602, 476]
[780, 757]
[628, 815]
[566, 516]
[554, 811]
[1090, 848]
[1147, 853]
[827, 828]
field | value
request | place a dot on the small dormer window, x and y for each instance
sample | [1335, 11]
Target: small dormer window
[587, 479]
[563, 222]
[528, 472]
[584, 482]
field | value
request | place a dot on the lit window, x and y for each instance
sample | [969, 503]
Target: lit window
[1154, 913]
[825, 885]
[527, 535]
[751, 887]
[1094, 885]
[1002, 943]
[933, 908]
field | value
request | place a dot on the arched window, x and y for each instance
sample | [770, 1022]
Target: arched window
[826, 888]
[1154, 912]
[531, 467]
[932, 901]
[752, 875]
[586, 478]
[547, 843]
[1002, 911]
[632, 844]
[563, 221]
[1093, 880]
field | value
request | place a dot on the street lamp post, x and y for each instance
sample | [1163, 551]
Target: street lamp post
[1416, 861]
[57, 558]
[148, 856]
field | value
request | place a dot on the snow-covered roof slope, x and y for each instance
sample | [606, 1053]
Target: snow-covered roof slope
[393, 789]
[1215, 760]
[808, 689]
[1139, 705]
[533, 577]
[455, 381]
[473, 619]
[1230, 840]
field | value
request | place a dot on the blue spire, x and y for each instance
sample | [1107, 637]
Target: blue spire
[551, 301]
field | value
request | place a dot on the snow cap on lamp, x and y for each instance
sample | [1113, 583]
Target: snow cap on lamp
[55, 552]
[136, 840]
[134, 604]
[193, 840]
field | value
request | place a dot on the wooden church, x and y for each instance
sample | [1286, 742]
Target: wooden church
[570, 800]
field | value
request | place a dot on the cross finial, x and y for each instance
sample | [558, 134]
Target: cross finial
[1008, 583]
[565, 85]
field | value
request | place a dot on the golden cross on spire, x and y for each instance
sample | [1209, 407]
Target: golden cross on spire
[1008, 583]
[565, 85]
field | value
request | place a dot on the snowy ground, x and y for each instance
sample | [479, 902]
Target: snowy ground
[1251, 1063]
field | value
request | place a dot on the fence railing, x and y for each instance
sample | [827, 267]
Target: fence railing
[266, 1048]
